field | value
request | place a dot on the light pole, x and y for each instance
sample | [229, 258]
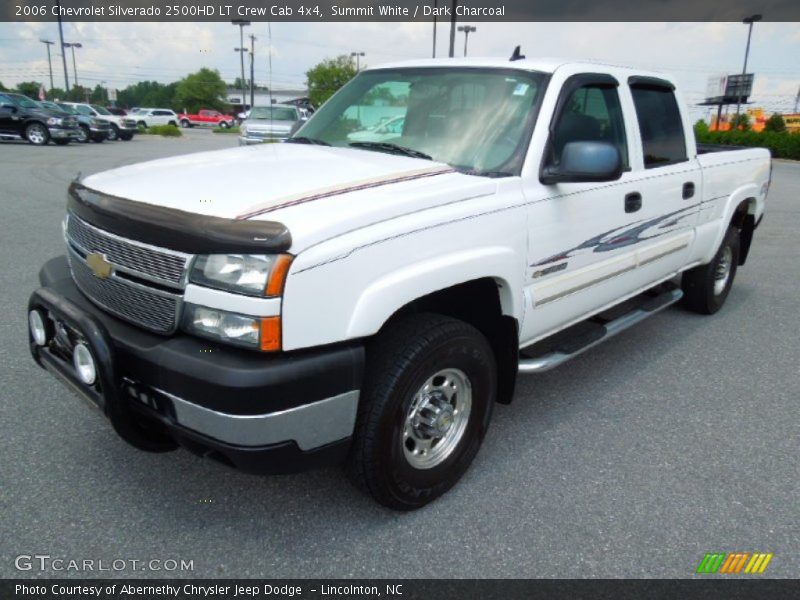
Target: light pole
[748, 21]
[74, 64]
[252, 70]
[453, 28]
[467, 29]
[61, 39]
[435, 5]
[242, 23]
[358, 56]
[48, 43]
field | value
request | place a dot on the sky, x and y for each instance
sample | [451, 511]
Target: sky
[123, 53]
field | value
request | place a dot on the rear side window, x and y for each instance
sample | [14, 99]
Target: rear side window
[660, 124]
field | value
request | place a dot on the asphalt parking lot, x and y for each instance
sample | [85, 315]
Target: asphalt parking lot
[674, 439]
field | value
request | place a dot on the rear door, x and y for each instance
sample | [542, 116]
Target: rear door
[8, 115]
[670, 180]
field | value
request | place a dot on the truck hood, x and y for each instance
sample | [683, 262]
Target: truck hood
[317, 192]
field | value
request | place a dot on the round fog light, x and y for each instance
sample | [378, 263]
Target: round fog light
[84, 364]
[38, 331]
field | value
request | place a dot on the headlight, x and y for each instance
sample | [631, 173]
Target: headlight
[262, 333]
[54, 121]
[251, 274]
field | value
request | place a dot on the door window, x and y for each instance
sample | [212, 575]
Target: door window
[591, 114]
[661, 126]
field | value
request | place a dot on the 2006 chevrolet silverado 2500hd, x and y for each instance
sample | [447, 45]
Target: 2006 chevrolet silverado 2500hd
[367, 302]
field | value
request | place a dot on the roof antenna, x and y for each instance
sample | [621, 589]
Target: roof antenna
[516, 55]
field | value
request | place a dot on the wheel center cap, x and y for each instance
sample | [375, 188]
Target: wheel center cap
[435, 416]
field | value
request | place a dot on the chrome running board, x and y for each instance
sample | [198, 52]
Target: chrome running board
[599, 334]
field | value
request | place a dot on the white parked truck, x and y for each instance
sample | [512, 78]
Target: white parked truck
[367, 302]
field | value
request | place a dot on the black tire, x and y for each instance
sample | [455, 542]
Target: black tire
[126, 137]
[224, 124]
[173, 123]
[113, 133]
[703, 290]
[84, 135]
[185, 123]
[399, 362]
[37, 134]
[61, 142]
[99, 139]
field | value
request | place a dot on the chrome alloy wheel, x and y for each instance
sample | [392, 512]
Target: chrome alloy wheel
[722, 272]
[37, 134]
[437, 418]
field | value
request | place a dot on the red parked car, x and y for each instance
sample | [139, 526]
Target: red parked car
[212, 118]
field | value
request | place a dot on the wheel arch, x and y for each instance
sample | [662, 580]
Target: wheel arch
[479, 302]
[744, 219]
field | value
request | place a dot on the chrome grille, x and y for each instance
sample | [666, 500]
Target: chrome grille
[151, 263]
[152, 309]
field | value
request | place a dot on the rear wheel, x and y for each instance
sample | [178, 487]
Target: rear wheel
[706, 287]
[37, 134]
[172, 123]
[426, 405]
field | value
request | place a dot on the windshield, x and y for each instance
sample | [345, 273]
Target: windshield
[68, 109]
[100, 110]
[23, 101]
[276, 113]
[476, 120]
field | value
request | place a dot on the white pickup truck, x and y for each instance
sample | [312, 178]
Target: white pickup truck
[368, 302]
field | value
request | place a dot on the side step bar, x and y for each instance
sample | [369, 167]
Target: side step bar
[602, 333]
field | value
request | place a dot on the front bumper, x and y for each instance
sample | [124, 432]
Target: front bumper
[62, 133]
[250, 140]
[264, 414]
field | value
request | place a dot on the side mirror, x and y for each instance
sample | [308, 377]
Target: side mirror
[584, 162]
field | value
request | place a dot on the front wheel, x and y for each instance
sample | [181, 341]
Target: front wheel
[426, 404]
[224, 124]
[37, 134]
[113, 133]
[185, 123]
[706, 287]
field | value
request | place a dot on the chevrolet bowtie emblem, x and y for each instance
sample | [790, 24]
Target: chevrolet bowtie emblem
[99, 265]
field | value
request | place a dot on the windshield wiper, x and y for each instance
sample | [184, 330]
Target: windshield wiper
[480, 173]
[392, 148]
[307, 140]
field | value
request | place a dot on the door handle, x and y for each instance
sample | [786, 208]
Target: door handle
[688, 190]
[633, 202]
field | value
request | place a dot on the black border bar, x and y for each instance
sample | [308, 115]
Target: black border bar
[326, 11]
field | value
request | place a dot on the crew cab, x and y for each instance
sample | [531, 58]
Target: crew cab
[368, 302]
[120, 127]
[89, 128]
[23, 118]
[206, 117]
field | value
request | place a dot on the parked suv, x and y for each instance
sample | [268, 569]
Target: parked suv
[147, 117]
[89, 128]
[276, 122]
[23, 118]
[122, 128]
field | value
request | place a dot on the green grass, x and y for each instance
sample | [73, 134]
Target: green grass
[163, 130]
[226, 130]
